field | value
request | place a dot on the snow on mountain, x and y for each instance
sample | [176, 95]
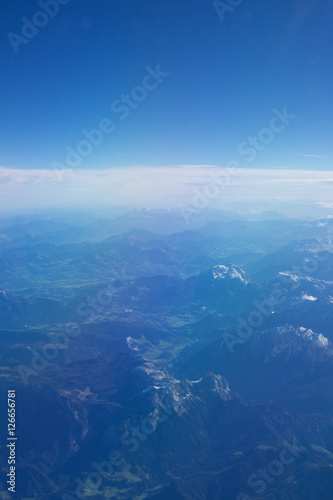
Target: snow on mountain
[232, 272]
[308, 297]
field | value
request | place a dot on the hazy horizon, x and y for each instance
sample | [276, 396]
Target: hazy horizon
[190, 188]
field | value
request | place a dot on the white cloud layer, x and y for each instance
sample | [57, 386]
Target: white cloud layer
[157, 187]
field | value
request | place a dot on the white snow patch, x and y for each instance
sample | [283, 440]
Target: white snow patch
[322, 341]
[308, 297]
[236, 274]
[223, 271]
[131, 343]
[292, 276]
[220, 271]
[196, 381]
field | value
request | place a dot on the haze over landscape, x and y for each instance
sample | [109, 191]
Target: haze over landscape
[166, 250]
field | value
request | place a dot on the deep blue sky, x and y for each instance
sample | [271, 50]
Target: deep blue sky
[225, 79]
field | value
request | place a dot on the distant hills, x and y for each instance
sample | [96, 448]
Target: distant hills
[195, 357]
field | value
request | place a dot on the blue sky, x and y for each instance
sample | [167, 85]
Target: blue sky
[224, 79]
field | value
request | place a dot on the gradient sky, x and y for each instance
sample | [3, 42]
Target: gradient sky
[224, 80]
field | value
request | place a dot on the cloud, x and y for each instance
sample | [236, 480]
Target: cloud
[162, 186]
[325, 205]
[314, 156]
